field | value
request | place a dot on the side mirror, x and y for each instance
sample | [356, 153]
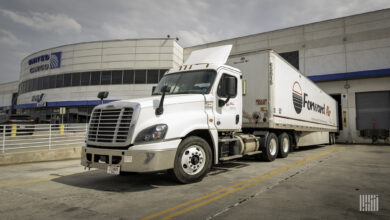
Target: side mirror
[102, 95]
[160, 108]
[230, 86]
[165, 89]
[229, 90]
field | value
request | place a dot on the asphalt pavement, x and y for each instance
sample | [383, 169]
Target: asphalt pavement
[319, 182]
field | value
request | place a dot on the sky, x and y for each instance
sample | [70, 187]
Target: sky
[28, 26]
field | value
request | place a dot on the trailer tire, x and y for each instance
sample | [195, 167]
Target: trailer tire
[284, 145]
[192, 161]
[270, 149]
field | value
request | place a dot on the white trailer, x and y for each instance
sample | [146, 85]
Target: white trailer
[205, 112]
[279, 98]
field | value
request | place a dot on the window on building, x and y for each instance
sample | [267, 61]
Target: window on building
[45, 82]
[14, 99]
[128, 77]
[75, 79]
[152, 76]
[40, 83]
[52, 82]
[67, 79]
[106, 78]
[140, 76]
[95, 78]
[161, 74]
[117, 77]
[114, 77]
[60, 81]
[35, 84]
[28, 85]
[25, 89]
[85, 78]
[292, 58]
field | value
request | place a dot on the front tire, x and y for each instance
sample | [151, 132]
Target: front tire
[193, 160]
[270, 150]
[284, 145]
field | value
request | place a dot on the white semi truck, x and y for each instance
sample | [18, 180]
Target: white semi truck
[205, 112]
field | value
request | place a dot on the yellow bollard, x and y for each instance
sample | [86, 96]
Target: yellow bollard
[62, 128]
[14, 130]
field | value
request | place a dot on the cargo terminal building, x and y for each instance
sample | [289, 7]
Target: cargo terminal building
[71, 76]
[349, 58]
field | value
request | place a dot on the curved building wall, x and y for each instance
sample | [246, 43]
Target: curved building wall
[72, 75]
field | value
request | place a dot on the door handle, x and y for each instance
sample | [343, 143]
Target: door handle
[237, 119]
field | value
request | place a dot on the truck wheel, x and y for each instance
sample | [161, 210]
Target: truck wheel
[192, 161]
[270, 150]
[284, 145]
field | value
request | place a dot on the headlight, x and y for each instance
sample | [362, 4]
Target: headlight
[153, 133]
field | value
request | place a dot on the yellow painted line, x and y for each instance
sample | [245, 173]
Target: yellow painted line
[210, 194]
[254, 180]
[27, 182]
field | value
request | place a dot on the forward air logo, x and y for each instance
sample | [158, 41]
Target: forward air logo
[297, 97]
[301, 100]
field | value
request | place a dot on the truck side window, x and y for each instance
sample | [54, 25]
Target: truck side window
[221, 84]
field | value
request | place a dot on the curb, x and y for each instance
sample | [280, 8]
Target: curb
[41, 155]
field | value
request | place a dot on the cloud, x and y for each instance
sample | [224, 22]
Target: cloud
[193, 37]
[118, 32]
[59, 23]
[9, 39]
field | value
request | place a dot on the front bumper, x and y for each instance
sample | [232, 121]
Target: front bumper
[138, 158]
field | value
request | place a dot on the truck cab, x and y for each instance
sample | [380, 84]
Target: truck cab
[178, 128]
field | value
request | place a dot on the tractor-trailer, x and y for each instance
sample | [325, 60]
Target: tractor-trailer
[211, 109]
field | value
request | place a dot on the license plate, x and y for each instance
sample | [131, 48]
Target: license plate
[113, 169]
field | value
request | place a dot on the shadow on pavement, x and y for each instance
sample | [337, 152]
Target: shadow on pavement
[129, 182]
[227, 166]
[133, 182]
[306, 148]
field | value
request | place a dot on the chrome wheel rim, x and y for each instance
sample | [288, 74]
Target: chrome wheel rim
[285, 145]
[193, 159]
[272, 146]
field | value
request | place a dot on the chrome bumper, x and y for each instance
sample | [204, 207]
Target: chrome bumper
[138, 158]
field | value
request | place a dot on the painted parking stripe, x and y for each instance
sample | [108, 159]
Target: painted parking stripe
[233, 188]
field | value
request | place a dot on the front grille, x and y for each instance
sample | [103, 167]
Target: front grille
[110, 125]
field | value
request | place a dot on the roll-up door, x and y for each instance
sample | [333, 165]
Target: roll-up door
[373, 110]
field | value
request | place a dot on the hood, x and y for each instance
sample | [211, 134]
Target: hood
[154, 101]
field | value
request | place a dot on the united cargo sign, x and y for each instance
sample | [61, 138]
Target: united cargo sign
[301, 100]
[45, 62]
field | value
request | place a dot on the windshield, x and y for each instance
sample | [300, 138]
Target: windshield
[194, 82]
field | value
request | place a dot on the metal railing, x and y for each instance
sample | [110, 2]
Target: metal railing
[16, 137]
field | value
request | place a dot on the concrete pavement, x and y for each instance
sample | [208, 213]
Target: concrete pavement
[322, 182]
